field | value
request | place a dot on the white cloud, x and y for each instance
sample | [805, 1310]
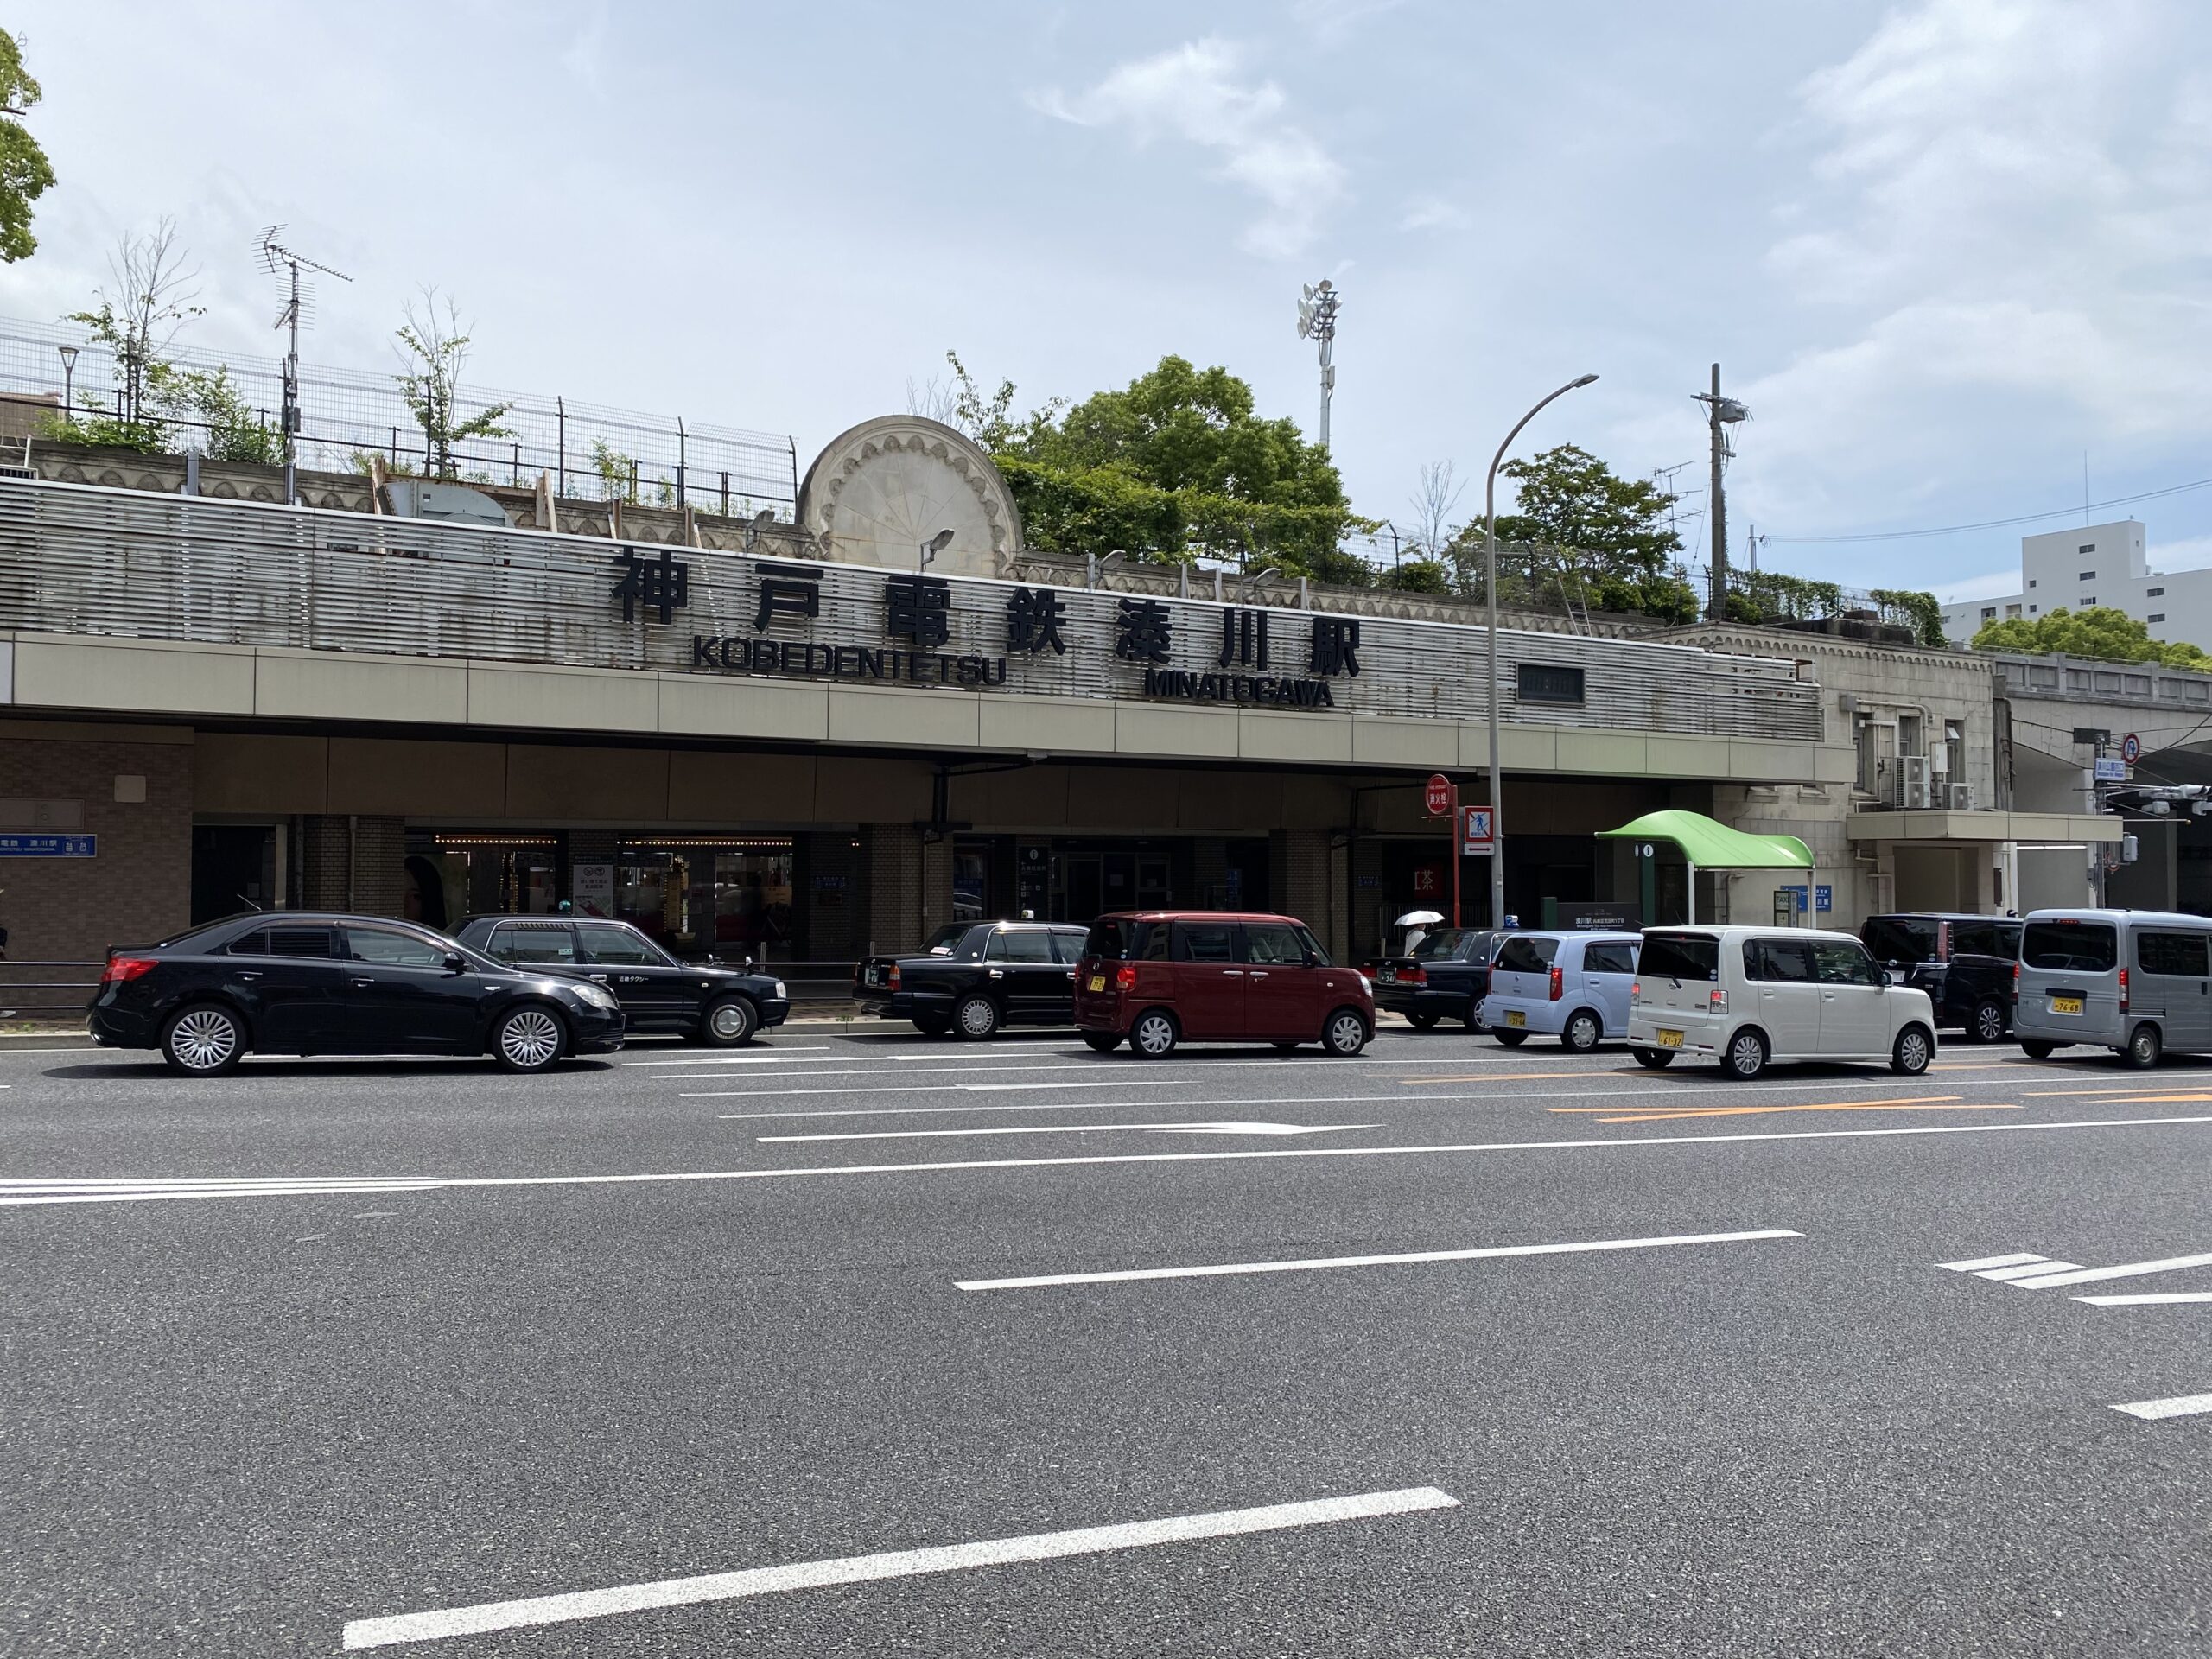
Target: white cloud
[1990, 584]
[1432, 213]
[1332, 22]
[1198, 92]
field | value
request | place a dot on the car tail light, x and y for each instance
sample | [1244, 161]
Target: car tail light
[1559, 984]
[2016, 981]
[122, 969]
[1636, 990]
[1125, 978]
[1717, 1001]
[1412, 975]
[892, 982]
[2123, 990]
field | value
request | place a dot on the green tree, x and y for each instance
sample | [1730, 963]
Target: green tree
[2110, 635]
[1590, 530]
[151, 299]
[438, 347]
[25, 173]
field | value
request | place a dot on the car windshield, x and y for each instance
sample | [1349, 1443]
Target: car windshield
[1902, 939]
[1679, 956]
[1443, 944]
[2071, 947]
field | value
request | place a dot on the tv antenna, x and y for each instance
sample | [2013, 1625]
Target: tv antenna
[299, 306]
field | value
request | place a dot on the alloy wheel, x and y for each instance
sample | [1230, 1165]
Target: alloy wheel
[1989, 1023]
[204, 1039]
[1747, 1055]
[1913, 1053]
[529, 1038]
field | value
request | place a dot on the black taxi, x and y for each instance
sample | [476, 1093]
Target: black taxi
[709, 1002]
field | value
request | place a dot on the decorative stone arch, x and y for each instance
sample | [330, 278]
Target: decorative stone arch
[876, 493]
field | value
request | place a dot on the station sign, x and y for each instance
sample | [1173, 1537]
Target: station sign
[1825, 898]
[43, 846]
[2110, 769]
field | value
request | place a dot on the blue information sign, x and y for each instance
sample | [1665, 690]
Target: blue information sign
[15, 844]
[1827, 896]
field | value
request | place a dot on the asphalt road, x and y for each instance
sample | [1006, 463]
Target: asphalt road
[289, 1358]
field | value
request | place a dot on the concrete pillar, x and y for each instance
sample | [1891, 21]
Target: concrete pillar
[833, 914]
[355, 863]
[1307, 877]
[909, 885]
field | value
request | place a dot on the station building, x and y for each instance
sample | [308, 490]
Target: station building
[805, 741]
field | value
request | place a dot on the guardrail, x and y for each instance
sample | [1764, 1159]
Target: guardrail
[46, 995]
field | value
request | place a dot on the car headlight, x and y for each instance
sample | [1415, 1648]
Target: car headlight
[782, 995]
[594, 996]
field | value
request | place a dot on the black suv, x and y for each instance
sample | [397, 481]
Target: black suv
[706, 1002]
[308, 982]
[993, 974]
[1446, 977]
[1963, 963]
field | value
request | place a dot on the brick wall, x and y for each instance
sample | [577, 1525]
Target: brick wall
[139, 885]
[368, 878]
[1307, 876]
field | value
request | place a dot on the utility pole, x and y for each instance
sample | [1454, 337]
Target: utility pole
[1317, 322]
[1720, 414]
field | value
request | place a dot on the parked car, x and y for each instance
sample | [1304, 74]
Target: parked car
[1571, 985]
[1964, 963]
[991, 974]
[308, 982]
[709, 1002]
[1157, 978]
[872, 974]
[2137, 981]
[1748, 995]
[1444, 977]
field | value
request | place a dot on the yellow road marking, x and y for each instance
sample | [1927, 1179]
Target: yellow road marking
[2135, 1092]
[1669, 1114]
[2131, 1100]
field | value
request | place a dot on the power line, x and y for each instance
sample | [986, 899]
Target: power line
[2000, 523]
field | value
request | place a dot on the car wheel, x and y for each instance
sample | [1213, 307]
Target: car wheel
[1746, 1055]
[2144, 1047]
[1987, 1022]
[932, 1026]
[977, 1018]
[1911, 1053]
[729, 1023]
[528, 1039]
[1474, 1013]
[1511, 1039]
[1154, 1035]
[1345, 1034]
[204, 1041]
[1582, 1032]
[1658, 1059]
[2036, 1050]
[1101, 1042]
[1422, 1021]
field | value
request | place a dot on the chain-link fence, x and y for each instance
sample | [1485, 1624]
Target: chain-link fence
[347, 415]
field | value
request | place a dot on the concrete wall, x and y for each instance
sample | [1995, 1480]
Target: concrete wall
[129, 787]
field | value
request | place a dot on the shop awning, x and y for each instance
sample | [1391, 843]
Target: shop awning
[1712, 845]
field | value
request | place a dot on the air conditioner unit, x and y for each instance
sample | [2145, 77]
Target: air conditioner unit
[1913, 794]
[1960, 797]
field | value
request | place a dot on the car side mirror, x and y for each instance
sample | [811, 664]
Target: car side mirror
[1888, 978]
[1313, 959]
[455, 962]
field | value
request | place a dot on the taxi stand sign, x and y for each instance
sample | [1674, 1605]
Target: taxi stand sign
[1477, 831]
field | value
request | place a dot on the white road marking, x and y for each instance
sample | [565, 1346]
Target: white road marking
[1981, 1263]
[362, 1633]
[2126, 1270]
[743, 1059]
[109, 1191]
[2025, 1276]
[926, 1088]
[1037, 1280]
[2151, 1299]
[1507, 1097]
[1093, 1065]
[2186, 1405]
[1079, 1129]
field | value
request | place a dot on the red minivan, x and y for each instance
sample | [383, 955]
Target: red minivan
[1159, 977]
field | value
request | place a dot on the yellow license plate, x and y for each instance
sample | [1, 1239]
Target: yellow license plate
[2066, 1005]
[1670, 1038]
[1515, 1018]
[1098, 981]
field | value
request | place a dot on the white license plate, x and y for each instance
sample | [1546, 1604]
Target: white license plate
[2066, 1005]
[1515, 1018]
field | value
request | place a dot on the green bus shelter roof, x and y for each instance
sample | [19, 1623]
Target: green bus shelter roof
[1712, 845]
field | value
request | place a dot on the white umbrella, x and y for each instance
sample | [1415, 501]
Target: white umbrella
[1418, 918]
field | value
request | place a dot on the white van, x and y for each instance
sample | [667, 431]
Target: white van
[1747, 995]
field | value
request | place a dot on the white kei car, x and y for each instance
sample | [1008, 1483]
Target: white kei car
[1748, 995]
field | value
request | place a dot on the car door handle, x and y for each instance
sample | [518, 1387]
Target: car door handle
[1259, 973]
[1232, 973]
[250, 974]
[997, 973]
[364, 981]
[597, 979]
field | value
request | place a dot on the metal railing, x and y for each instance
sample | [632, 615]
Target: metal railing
[347, 415]
[46, 995]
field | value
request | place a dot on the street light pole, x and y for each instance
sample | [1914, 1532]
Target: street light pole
[1489, 583]
[68, 384]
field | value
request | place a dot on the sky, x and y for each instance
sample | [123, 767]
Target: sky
[1950, 253]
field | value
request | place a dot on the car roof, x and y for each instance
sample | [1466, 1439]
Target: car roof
[1937, 916]
[1602, 935]
[1198, 916]
[2159, 918]
[1724, 931]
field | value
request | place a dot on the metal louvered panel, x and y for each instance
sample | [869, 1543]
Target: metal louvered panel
[89, 560]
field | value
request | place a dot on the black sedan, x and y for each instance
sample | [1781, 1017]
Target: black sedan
[299, 982]
[1446, 977]
[994, 974]
[706, 1002]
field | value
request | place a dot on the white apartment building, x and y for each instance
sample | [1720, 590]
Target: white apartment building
[2100, 566]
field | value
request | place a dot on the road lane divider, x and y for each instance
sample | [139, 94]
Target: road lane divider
[2160, 1299]
[1037, 1282]
[1676, 1114]
[2187, 1405]
[1079, 1129]
[364, 1633]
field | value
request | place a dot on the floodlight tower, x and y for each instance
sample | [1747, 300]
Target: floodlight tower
[298, 303]
[1317, 322]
